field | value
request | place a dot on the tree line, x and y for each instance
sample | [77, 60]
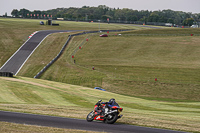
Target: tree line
[105, 14]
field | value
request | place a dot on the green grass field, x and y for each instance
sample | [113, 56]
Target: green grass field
[59, 99]
[126, 66]
[132, 63]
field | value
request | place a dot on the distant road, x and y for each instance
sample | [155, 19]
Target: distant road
[69, 123]
[17, 60]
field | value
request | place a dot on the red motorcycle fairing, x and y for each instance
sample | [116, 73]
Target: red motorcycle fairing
[99, 117]
[115, 107]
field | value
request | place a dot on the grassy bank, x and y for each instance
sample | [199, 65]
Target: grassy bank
[58, 99]
[132, 64]
[129, 65]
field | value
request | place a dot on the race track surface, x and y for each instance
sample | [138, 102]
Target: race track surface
[69, 123]
[17, 60]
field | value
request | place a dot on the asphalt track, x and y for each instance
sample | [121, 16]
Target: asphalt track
[17, 60]
[69, 123]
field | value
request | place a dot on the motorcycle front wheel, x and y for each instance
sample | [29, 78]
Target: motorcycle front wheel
[90, 116]
[111, 118]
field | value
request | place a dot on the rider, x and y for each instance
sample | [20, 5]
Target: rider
[98, 108]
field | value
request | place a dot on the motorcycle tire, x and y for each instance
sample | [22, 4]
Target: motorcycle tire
[90, 116]
[113, 119]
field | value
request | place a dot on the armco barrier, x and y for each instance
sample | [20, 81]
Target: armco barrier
[50, 63]
[6, 74]
[61, 51]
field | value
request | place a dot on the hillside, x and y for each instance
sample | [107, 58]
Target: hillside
[129, 64]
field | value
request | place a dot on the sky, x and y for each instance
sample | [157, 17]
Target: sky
[6, 6]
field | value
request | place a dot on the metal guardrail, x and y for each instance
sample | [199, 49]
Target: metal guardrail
[6, 74]
[51, 62]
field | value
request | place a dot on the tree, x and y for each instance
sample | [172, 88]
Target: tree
[104, 17]
[98, 12]
[110, 13]
[118, 15]
[170, 20]
[23, 12]
[58, 15]
[14, 13]
[133, 18]
[143, 14]
[188, 22]
[67, 16]
[5, 14]
[37, 12]
[153, 17]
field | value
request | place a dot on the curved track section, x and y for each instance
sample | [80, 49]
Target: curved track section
[17, 60]
[69, 123]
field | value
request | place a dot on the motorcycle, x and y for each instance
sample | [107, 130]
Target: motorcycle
[109, 114]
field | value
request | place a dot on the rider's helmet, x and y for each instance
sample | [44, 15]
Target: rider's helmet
[112, 101]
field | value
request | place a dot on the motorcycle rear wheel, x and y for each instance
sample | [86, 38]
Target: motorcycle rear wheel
[113, 118]
[90, 116]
